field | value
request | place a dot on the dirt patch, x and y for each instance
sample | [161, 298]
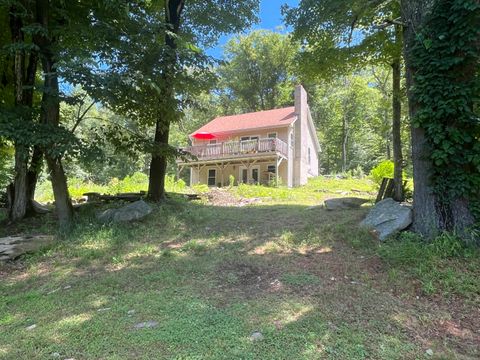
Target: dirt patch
[223, 197]
[248, 280]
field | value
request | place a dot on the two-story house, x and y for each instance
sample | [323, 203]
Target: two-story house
[273, 146]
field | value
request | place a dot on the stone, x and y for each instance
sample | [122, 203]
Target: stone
[429, 352]
[31, 327]
[131, 212]
[387, 218]
[12, 247]
[146, 324]
[256, 336]
[40, 208]
[56, 355]
[344, 203]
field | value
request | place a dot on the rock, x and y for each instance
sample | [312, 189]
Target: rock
[55, 355]
[344, 203]
[31, 327]
[103, 309]
[387, 218]
[256, 336]
[134, 211]
[429, 352]
[146, 325]
[12, 247]
[40, 208]
[130, 312]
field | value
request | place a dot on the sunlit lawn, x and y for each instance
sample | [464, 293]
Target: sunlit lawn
[208, 277]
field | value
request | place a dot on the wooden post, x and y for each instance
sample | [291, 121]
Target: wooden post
[276, 172]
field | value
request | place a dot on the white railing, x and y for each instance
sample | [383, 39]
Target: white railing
[238, 148]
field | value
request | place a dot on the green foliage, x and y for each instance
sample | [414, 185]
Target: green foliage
[446, 58]
[258, 71]
[340, 36]
[382, 170]
[350, 109]
[134, 183]
[6, 162]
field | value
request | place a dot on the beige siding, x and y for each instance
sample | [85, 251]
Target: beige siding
[202, 176]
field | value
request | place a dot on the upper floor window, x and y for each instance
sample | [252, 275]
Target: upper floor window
[272, 135]
[213, 142]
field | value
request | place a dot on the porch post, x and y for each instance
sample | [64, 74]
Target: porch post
[276, 172]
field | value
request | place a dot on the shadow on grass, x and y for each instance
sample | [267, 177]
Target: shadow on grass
[209, 276]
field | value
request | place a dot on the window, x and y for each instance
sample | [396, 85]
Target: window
[271, 169]
[272, 135]
[292, 138]
[253, 137]
[213, 142]
[309, 157]
[245, 138]
[212, 177]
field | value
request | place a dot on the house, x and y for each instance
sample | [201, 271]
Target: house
[273, 146]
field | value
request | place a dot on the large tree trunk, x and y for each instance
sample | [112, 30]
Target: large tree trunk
[397, 131]
[426, 219]
[25, 180]
[50, 114]
[158, 165]
[18, 192]
[431, 214]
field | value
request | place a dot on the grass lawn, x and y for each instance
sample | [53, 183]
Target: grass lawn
[207, 277]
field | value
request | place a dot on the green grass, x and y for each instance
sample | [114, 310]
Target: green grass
[445, 266]
[309, 280]
[135, 183]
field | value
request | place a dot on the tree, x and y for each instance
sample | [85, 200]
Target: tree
[154, 63]
[348, 113]
[258, 70]
[349, 34]
[442, 55]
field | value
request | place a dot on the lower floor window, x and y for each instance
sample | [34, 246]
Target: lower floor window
[212, 177]
[271, 169]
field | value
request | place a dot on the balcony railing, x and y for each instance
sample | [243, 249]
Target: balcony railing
[245, 148]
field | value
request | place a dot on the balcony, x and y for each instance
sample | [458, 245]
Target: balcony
[239, 149]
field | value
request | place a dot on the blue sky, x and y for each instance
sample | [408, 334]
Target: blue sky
[270, 19]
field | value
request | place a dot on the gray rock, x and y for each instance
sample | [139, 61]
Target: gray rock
[344, 203]
[12, 247]
[146, 324]
[387, 218]
[134, 211]
[256, 336]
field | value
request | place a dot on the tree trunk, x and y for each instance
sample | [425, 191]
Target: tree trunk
[426, 218]
[396, 131]
[18, 192]
[50, 114]
[344, 142]
[158, 165]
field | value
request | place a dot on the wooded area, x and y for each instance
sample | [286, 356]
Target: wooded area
[104, 89]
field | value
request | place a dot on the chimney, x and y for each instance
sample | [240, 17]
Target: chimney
[300, 128]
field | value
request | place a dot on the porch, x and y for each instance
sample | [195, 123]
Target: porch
[237, 149]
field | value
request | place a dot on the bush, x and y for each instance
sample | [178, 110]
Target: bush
[382, 170]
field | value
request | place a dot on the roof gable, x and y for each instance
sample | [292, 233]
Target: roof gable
[255, 120]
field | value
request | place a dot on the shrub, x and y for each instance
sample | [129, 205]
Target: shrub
[382, 170]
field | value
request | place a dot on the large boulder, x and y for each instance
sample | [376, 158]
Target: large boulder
[134, 211]
[388, 217]
[344, 203]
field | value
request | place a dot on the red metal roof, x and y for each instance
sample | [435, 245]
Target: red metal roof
[261, 119]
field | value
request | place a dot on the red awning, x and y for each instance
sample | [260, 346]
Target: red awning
[204, 136]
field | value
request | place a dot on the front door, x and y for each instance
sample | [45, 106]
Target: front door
[250, 176]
